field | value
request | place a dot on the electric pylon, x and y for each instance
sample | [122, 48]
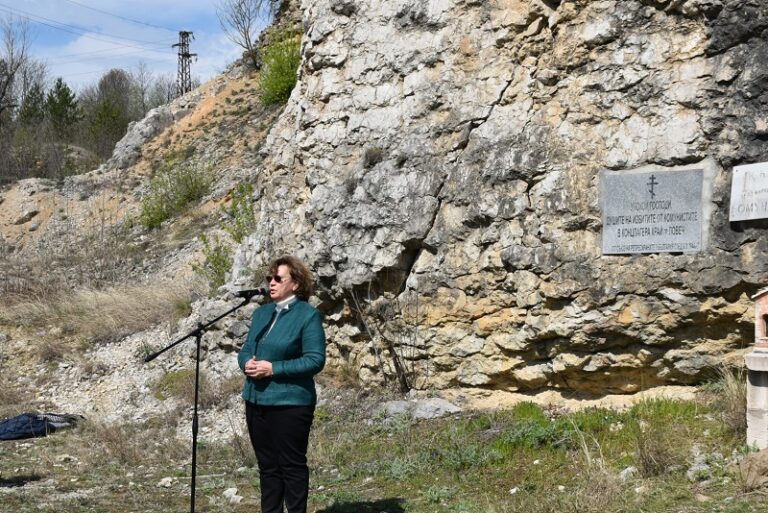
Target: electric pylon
[184, 79]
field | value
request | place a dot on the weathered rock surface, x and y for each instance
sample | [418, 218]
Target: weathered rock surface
[437, 166]
[430, 408]
[128, 149]
[753, 470]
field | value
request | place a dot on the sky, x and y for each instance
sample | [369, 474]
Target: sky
[80, 40]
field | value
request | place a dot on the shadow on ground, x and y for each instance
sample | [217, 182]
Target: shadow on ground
[388, 505]
[16, 481]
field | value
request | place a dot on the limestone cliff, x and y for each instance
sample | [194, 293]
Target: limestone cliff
[438, 164]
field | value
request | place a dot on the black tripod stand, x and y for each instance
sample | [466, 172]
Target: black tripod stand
[198, 334]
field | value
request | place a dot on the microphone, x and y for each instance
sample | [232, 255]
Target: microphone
[250, 293]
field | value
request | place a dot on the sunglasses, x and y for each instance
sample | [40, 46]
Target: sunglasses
[277, 278]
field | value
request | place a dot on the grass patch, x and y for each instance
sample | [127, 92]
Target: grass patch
[181, 385]
[177, 384]
[280, 60]
[71, 256]
[13, 400]
[532, 429]
[361, 464]
[729, 394]
[656, 450]
[101, 315]
[129, 445]
[528, 460]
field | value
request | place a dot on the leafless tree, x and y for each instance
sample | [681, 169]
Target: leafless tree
[141, 82]
[242, 20]
[32, 73]
[14, 55]
[163, 90]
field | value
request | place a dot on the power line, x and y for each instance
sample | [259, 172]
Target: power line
[82, 73]
[74, 30]
[167, 58]
[88, 72]
[106, 50]
[121, 17]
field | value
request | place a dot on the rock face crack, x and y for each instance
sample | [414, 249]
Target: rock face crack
[473, 124]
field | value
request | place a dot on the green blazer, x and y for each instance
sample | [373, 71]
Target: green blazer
[296, 349]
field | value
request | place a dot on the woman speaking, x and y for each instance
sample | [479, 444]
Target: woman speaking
[285, 348]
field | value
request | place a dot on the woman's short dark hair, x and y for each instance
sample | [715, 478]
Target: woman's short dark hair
[299, 273]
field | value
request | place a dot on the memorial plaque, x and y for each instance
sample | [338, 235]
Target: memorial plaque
[749, 192]
[652, 211]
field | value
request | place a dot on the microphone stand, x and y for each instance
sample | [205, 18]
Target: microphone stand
[198, 334]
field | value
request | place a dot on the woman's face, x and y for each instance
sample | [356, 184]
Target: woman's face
[281, 285]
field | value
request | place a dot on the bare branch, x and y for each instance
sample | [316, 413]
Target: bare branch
[15, 55]
[242, 20]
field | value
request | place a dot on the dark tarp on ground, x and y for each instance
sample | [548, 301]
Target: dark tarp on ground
[31, 425]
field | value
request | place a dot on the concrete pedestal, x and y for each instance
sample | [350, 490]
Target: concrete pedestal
[757, 399]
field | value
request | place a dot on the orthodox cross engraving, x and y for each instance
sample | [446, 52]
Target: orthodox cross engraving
[651, 184]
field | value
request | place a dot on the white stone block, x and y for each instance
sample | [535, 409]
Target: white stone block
[757, 361]
[757, 427]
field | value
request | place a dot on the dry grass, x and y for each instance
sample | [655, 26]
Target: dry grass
[653, 452]
[660, 433]
[240, 442]
[69, 254]
[102, 315]
[126, 445]
[752, 472]
[211, 393]
[595, 491]
[13, 401]
[52, 351]
[732, 401]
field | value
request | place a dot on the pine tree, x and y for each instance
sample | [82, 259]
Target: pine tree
[62, 109]
[33, 107]
[106, 125]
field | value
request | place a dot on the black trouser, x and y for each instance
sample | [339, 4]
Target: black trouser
[280, 435]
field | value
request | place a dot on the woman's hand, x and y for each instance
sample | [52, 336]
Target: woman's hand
[258, 369]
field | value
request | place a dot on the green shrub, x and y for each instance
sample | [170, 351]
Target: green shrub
[436, 494]
[280, 60]
[172, 189]
[242, 219]
[528, 410]
[533, 430]
[594, 421]
[174, 384]
[460, 455]
[664, 410]
[534, 434]
[401, 467]
[217, 263]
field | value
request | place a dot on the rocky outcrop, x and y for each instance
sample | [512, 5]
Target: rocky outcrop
[437, 165]
[128, 149]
